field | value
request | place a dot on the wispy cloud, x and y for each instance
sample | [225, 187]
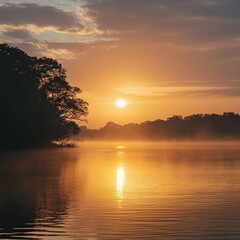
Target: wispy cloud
[177, 91]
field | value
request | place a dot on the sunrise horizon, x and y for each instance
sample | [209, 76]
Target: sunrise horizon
[172, 58]
[120, 119]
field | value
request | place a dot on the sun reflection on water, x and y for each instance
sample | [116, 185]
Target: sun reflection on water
[120, 147]
[120, 179]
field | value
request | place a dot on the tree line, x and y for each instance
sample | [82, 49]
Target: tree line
[196, 126]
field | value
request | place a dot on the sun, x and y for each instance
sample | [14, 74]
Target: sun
[121, 103]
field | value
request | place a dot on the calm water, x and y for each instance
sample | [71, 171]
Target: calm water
[122, 191]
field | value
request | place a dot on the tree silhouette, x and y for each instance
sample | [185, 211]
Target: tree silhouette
[38, 106]
[196, 126]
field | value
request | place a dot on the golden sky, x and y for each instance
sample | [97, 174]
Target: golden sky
[164, 57]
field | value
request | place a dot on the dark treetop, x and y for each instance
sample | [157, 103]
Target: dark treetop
[38, 106]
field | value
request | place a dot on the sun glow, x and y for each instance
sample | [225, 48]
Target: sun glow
[121, 103]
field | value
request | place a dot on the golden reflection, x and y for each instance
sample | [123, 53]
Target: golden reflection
[120, 181]
[120, 147]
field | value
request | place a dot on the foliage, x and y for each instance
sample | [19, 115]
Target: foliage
[197, 126]
[38, 105]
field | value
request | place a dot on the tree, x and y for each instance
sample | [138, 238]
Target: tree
[38, 105]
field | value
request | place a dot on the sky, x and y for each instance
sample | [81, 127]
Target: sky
[164, 57]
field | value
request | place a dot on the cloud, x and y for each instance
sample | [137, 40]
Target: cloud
[43, 49]
[35, 27]
[18, 33]
[181, 91]
[17, 14]
[181, 20]
[63, 51]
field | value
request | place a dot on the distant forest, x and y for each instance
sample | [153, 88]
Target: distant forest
[197, 126]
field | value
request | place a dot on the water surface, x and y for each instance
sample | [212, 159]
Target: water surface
[122, 191]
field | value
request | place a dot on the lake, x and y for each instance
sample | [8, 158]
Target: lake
[122, 191]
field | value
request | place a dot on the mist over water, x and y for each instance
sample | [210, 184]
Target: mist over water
[122, 190]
